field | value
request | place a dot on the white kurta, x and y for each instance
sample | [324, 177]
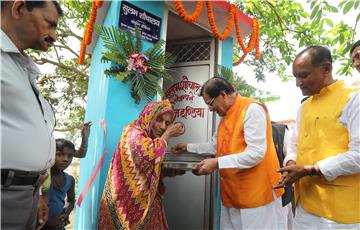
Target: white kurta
[269, 216]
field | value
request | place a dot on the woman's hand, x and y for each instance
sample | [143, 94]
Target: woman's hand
[173, 130]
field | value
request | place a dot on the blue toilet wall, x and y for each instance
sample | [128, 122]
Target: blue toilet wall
[110, 100]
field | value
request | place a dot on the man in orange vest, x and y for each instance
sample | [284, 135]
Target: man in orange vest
[324, 154]
[245, 158]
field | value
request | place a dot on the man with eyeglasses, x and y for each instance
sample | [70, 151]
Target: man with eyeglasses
[324, 154]
[355, 55]
[245, 158]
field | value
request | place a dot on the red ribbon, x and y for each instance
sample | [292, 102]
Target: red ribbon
[95, 172]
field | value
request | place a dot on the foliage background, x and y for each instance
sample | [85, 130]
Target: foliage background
[288, 25]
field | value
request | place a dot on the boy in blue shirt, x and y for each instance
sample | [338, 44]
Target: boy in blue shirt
[62, 185]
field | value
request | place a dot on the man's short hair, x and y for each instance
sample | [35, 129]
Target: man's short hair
[354, 47]
[30, 5]
[214, 86]
[62, 143]
[319, 54]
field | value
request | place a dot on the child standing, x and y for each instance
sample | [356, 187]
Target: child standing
[62, 185]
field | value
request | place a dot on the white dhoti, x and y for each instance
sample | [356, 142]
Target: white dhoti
[268, 216]
[306, 220]
[288, 215]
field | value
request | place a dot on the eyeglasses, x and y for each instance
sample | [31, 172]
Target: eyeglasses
[211, 101]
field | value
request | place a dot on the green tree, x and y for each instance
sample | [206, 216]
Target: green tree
[286, 25]
[243, 87]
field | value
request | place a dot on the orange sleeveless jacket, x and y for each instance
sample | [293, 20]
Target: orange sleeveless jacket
[245, 188]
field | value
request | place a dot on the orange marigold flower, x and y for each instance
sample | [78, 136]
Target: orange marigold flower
[212, 23]
[189, 18]
[89, 29]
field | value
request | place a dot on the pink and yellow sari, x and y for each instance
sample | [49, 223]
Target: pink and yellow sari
[132, 197]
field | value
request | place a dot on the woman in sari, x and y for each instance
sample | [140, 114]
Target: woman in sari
[132, 197]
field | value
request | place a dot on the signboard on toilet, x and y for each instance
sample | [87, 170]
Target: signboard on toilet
[190, 109]
[132, 17]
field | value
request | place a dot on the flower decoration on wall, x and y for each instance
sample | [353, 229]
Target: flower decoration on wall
[137, 62]
[141, 70]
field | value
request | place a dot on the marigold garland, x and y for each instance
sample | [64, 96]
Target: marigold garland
[240, 60]
[241, 40]
[212, 23]
[257, 47]
[99, 3]
[182, 13]
[254, 38]
[89, 30]
[253, 42]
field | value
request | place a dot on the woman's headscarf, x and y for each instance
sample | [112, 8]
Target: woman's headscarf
[134, 173]
[150, 112]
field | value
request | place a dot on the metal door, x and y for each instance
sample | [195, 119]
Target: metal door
[188, 199]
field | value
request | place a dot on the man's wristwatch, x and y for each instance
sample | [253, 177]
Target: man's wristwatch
[311, 170]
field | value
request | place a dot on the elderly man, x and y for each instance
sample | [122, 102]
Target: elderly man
[28, 147]
[245, 158]
[355, 55]
[324, 158]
